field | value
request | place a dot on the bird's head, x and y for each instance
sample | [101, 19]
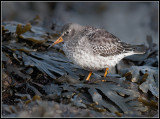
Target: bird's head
[68, 32]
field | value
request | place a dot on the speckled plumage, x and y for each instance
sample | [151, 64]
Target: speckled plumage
[95, 49]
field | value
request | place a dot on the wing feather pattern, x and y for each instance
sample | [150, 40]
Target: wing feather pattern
[104, 43]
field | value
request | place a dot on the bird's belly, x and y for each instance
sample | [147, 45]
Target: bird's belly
[91, 62]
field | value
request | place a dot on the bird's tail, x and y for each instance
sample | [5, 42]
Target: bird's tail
[137, 49]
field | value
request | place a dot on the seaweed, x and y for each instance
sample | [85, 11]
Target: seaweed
[46, 83]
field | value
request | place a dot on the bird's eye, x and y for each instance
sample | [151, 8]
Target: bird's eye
[66, 33]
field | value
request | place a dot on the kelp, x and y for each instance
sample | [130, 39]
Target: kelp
[103, 96]
[20, 30]
[147, 76]
[34, 75]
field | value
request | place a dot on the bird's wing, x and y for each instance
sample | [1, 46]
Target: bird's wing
[104, 43]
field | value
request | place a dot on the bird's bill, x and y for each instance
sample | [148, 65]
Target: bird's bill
[60, 39]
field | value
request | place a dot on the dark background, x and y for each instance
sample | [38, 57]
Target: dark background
[130, 21]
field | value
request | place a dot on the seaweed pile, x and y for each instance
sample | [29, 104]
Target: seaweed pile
[41, 82]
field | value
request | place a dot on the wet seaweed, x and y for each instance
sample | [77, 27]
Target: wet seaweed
[34, 75]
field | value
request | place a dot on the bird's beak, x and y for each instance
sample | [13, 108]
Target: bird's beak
[60, 39]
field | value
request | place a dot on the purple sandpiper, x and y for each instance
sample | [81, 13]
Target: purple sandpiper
[93, 48]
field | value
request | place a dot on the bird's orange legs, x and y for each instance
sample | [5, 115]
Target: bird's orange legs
[89, 75]
[106, 72]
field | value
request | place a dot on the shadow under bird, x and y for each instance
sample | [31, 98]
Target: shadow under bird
[94, 49]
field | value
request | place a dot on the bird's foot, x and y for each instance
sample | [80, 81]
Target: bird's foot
[93, 81]
[96, 81]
